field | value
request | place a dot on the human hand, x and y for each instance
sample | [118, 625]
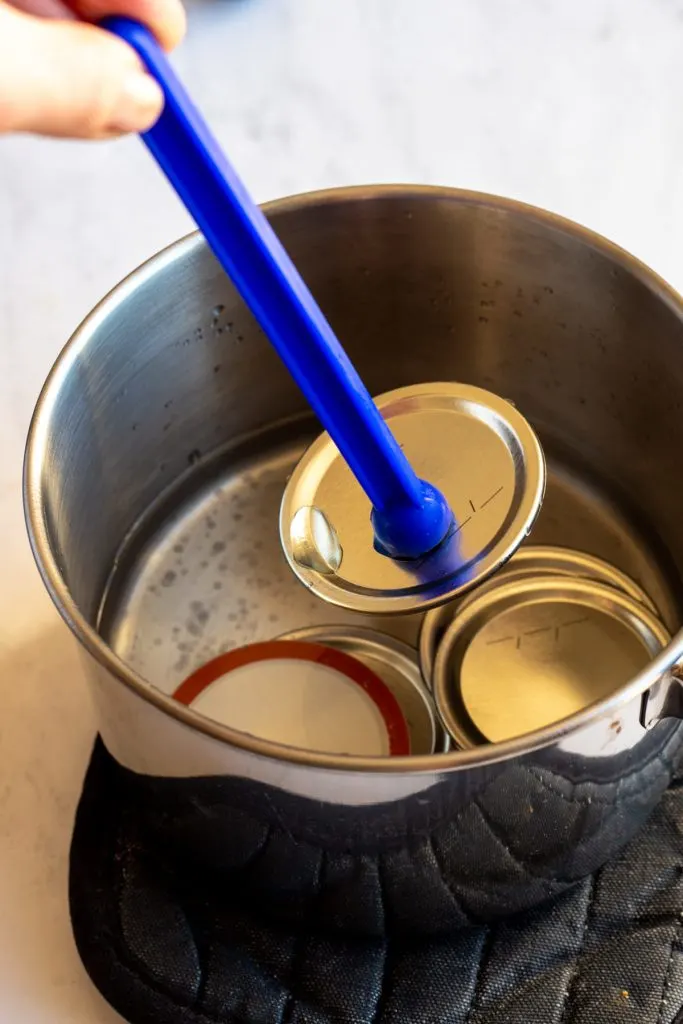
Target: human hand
[60, 76]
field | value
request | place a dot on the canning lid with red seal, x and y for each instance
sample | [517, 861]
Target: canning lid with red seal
[300, 694]
[396, 663]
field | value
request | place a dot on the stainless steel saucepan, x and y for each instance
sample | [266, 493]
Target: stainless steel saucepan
[156, 462]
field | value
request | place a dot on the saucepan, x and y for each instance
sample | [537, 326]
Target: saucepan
[156, 460]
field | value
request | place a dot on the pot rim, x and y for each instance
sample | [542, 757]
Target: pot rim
[108, 660]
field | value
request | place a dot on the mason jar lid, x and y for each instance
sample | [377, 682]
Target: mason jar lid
[396, 663]
[531, 652]
[530, 561]
[301, 694]
[475, 447]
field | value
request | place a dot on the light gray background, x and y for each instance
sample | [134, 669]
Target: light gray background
[576, 107]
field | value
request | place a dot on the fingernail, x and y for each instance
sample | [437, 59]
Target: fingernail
[140, 102]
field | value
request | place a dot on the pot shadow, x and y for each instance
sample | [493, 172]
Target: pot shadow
[47, 728]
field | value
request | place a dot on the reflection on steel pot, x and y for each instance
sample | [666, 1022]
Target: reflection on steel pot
[155, 466]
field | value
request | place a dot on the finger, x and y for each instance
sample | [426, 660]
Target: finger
[70, 79]
[44, 8]
[166, 18]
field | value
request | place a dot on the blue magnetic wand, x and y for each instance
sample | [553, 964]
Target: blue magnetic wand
[410, 517]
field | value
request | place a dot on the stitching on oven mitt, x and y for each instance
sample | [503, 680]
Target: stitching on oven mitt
[533, 832]
[165, 947]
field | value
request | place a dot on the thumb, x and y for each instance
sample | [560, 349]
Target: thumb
[70, 79]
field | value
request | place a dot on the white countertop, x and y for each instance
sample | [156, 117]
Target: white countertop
[575, 107]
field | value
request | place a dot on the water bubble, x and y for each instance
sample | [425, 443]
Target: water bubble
[200, 611]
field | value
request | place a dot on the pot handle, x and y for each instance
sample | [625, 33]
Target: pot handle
[664, 699]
